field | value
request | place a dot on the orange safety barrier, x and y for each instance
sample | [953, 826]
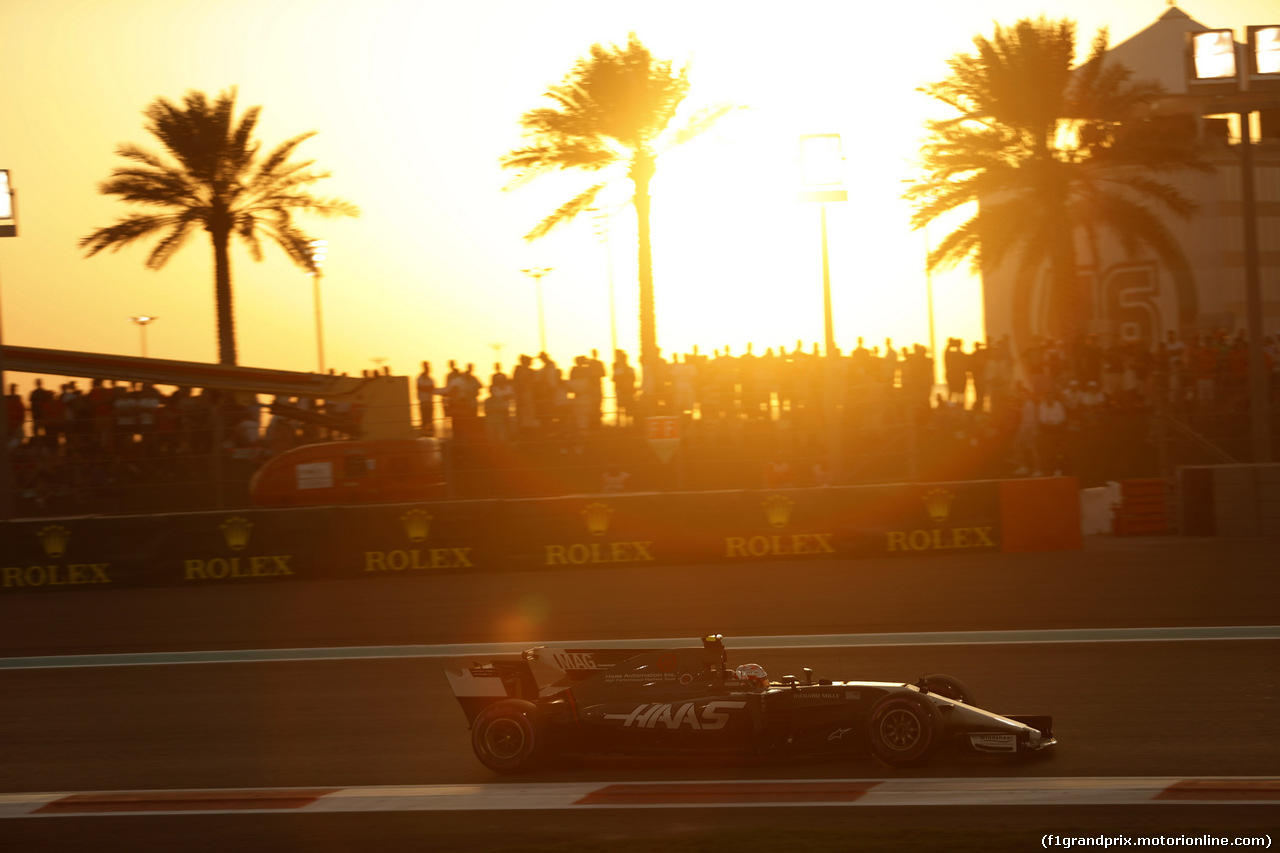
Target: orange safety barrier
[1143, 508]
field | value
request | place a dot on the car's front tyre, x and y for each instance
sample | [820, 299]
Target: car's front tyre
[508, 736]
[905, 730]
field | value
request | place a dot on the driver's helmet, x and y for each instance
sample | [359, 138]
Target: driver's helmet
[753, 674]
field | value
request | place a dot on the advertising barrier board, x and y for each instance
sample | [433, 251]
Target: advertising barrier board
[580, 531]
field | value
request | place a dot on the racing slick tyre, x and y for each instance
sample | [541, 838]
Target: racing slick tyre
[508, 736]
[949, 687]
[904, 729]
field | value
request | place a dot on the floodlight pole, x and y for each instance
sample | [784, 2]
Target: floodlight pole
[1259, 416]
[6, 469]
[537, 273]
[8, 228]
[143, 320]
[315, 296]
[928, 295]
[603, 235]
[1242, 94]
[319, 250]
[828, 322]
[831, 408]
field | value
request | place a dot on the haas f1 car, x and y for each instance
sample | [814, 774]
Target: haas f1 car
[687, 701]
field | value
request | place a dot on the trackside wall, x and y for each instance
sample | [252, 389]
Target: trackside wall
[384, 540]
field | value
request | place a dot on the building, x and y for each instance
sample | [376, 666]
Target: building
[1139, 297]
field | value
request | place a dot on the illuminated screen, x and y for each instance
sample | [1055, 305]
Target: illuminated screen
[820, 159]
[1215, 55]
[1266, 50]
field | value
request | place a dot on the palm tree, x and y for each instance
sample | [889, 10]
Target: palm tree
[215, 181]
[1049, 152]
[612, 111]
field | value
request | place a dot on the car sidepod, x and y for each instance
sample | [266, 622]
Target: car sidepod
[709, 722]
[816, 718]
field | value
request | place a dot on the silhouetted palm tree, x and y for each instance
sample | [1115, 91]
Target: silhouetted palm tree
[612, 112]
[216, 182]
[1049, 152]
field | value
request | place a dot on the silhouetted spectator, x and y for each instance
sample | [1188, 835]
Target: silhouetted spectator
[624, 386]
[426, 387]
[524, 378]
[39, 397]
[15, 415]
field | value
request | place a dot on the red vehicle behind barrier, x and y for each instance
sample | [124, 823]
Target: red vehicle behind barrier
[346, 472]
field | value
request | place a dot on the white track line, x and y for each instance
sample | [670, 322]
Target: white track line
[942, 638]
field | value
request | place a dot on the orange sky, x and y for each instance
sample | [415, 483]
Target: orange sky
[414, 103]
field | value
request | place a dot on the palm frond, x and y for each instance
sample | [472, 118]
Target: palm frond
[285, 179]
[566, 211]
[700, 122]
[534, 161]
[153, 187]
[293, 240]
[171, 242]
[124, 232]
[962, 242]
[1135, 226]
[141, 155]
[283, 152]
[301, 202]
[1167, 196]
[246, 228]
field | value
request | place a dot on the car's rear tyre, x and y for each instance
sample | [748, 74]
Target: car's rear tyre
[508, 736]
[904, 729]
[950, 687]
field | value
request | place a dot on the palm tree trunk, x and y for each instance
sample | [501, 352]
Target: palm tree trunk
[642, 169]
[1065, 290]
[222, 295]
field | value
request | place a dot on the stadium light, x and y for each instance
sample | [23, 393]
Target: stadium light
[1213, 55]
[1264, 57]
[8, 218]
[142, 321]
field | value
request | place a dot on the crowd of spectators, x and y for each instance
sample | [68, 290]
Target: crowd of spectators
[1023, 404]
[1023, 407]
[538, 399]
[113, 436]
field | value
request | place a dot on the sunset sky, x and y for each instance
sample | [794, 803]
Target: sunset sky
[415, 101]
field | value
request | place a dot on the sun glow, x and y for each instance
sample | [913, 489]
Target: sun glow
[737, 255]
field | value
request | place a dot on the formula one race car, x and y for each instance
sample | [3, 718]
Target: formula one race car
[524, 708]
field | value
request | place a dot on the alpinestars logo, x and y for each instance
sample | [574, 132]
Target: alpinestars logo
[714, 716]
